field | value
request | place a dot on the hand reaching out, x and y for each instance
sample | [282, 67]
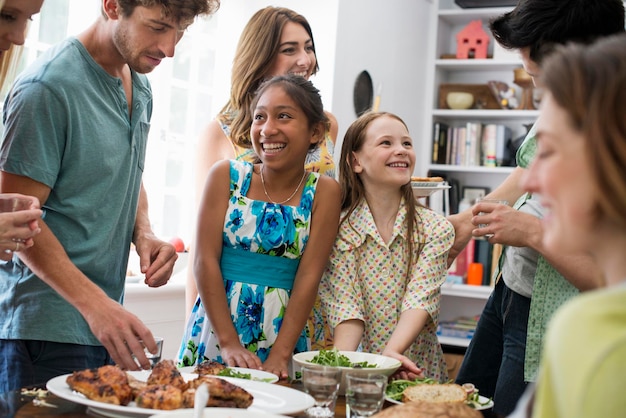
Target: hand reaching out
[19, 215]
[120, 332]
[276, 366]
[237, 356]
[408, 369]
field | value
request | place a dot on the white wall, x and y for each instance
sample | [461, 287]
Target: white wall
[388, 39]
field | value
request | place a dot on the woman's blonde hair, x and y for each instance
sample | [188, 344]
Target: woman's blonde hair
[8, 66]
[256, 51]
[8, 63]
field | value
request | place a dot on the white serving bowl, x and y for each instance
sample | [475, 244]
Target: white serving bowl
[384, 365]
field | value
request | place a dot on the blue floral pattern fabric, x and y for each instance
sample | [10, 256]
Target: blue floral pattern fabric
[257, 308]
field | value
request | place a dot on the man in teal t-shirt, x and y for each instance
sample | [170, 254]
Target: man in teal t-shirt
[76, 126]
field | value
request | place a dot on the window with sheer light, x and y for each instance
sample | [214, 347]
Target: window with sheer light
[183, 90]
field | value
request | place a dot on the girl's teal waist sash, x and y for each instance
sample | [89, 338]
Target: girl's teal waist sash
[260, 269]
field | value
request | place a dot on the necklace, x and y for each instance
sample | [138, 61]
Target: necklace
[289, 198]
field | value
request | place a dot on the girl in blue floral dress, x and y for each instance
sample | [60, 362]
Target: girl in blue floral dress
[258, 271]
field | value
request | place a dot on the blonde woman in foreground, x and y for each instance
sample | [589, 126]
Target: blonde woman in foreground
[579, 173]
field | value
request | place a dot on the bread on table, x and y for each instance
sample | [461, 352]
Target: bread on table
[448, 392]
[421, 409]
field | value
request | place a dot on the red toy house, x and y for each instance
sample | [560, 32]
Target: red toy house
[472, 41]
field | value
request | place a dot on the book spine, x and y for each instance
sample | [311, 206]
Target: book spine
[435, 155]
[489, 145]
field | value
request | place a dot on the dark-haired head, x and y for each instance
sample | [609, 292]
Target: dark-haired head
[302, 92]
[540, 25]
[182, 11]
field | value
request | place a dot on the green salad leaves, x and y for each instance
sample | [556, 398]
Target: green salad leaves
[395, 388]
[335, 358]
[228, 372]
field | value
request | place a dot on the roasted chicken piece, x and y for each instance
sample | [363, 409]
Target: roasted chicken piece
[166, 397]
[107, 384]
[209, 368]
[135, 384]
[166, 373]
[222, 393]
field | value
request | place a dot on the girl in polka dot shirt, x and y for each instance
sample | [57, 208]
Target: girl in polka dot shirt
[381, 289]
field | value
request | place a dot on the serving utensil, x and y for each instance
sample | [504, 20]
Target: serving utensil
[200, 400]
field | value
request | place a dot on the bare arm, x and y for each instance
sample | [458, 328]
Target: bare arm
[206, 262]
[348, 334]
[409, 326]
[324, 224]
[156, 257]
[117, 329]
[213, 146]
[508, 190]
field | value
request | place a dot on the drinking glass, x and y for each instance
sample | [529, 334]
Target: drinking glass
[365, 394]
[500, 202]
[154, 358]
[322, 383]
[10, 203]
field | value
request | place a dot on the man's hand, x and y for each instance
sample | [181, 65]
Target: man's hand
[506, 225]
[120, 332]
[156, 259]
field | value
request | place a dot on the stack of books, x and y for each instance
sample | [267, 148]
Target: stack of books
[463, 327]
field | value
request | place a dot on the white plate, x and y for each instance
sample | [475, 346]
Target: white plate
[424, 189]
[218, 413]
[258, 375]
[275, 399]
[482, 400]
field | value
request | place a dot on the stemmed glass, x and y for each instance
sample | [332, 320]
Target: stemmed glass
[322, 383]
[365, 394]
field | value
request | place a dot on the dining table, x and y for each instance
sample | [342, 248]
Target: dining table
[39, 403]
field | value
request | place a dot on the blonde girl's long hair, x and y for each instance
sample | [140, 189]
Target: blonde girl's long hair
[353, 190]
[257, 48]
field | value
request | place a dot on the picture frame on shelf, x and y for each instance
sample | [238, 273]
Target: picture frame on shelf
[473, 193]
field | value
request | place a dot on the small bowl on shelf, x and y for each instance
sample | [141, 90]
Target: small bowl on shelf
[459, 100]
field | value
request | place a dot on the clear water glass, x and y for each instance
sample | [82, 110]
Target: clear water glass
[496, 201]
[365, 394]
[322, 383]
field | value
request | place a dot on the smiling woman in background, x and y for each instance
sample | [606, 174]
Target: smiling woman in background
[18, 228]
[579, 173]
[275, 41]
